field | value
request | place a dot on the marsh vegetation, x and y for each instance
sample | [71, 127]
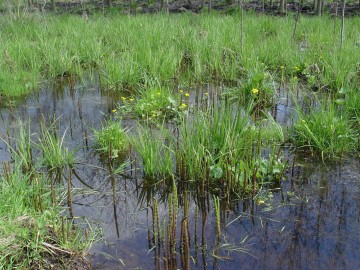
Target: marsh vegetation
[190, 137]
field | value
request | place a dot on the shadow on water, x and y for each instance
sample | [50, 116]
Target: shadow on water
[310, 221]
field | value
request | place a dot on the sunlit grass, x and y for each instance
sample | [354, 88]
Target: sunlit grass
[177, 49]
[111, 138]
[32, 226]
[325, 132]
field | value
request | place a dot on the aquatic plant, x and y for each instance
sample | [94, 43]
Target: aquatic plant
[22, 149]
[351, 104]
[156, 149]
[55, 156]
[111, 139]
[32, 229]
[257, 88]
[156, 103]
[220, 150]
[324, 132]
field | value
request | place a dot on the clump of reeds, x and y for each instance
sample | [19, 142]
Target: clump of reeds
[324, 131]
[155, 148]
[111, 139]
[31, 225]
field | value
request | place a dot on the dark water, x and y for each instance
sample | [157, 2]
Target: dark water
[310, 221]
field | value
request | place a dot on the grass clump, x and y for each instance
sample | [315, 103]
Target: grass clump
[256, 88]
[34, 230]
[33, 235]
[219, 149]
[324, 132]
[352, 107]
[156, 103]
[156, 149]
[55, 155]
[111, 138]
[222, 149]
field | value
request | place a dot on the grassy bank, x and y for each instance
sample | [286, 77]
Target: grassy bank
[132, 51]
[36, 231]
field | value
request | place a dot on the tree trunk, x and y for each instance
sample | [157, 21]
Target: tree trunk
[9, 6]
[282, 7]
[315, 5]
[209, 6]
[241, 25]
[319, 7]
[342, 38]
[297, 18]
[53, 6]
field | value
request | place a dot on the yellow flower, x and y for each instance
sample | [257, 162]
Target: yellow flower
[282, 67]
[297, 68]
[255, 91]
[183, 106]
[181, 91]
[260, 201]
[123, 98]
[131, 99]
[187, 95]
[113, 110]
[206, 94]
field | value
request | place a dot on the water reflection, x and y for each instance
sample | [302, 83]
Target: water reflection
[310, 221]
[312, 224]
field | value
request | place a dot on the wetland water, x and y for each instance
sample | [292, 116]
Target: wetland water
[310, 221]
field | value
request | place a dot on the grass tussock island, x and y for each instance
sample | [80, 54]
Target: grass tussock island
[224, 145]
